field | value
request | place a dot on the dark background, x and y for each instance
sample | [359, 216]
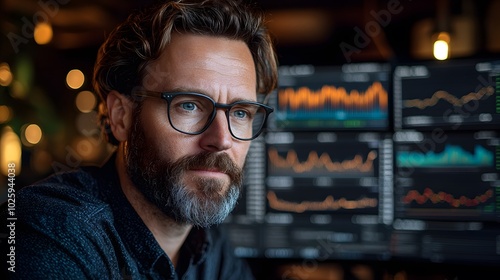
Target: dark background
[317, 32]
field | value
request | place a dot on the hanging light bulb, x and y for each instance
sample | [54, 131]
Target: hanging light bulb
[441, 46]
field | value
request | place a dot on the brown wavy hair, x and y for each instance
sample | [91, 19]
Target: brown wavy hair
[128, 50]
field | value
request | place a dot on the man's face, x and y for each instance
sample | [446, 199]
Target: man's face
[194, 179]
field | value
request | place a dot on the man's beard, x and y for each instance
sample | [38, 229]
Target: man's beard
[204, 204]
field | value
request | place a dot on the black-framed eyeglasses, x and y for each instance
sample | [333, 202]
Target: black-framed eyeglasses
[192, 113]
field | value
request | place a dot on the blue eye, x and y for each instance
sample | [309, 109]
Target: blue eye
[188, 106]
[240, 114]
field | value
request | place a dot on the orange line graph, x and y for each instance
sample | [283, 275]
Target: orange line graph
[336, 97]
[441, 94]
[329, 203]
[440, 197]
[314, 161]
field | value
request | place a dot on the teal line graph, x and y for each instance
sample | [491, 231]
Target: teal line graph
[451, 156]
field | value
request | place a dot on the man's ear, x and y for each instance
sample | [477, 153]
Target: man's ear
[120, 114]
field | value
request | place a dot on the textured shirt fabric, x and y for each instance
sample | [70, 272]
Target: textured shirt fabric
[79, 225]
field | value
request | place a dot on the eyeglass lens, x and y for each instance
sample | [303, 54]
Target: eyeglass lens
[190, 113]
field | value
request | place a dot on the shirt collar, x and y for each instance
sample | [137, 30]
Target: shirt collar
[197, 244]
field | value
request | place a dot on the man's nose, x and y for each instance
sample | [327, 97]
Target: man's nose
[217, 137]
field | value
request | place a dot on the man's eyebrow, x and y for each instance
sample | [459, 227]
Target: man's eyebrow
[181, 89]
[185, 89]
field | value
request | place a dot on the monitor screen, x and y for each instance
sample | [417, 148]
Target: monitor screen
[343, 173]
[455, 95]
[347, 97]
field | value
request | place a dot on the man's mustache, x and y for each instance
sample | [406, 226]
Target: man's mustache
[207, 160]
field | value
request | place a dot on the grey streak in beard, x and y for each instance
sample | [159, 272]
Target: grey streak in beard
[203, 211]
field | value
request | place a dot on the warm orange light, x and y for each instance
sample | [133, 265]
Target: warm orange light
[33, 134]
[5, 74]
[10, 151]
[75, 79]
[5, 114]
[43, 33]
[85, 101]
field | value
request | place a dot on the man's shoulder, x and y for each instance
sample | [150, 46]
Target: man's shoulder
[63, 225]
[71, 194]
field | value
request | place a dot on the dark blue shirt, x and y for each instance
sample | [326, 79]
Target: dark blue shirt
[79, 225]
